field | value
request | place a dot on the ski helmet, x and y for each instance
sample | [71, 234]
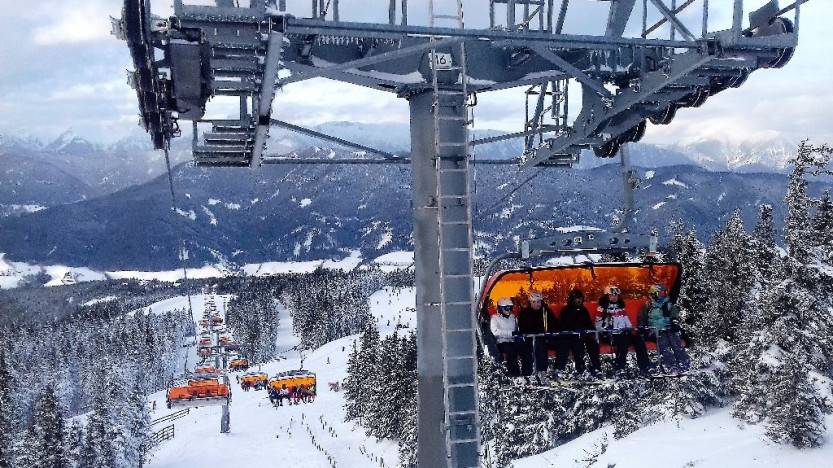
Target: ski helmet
[575, 294]
[535, 296]
[611, 289]
[505, 305]
[656, 290]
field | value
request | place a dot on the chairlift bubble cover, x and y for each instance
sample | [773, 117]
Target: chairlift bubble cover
[555, 283]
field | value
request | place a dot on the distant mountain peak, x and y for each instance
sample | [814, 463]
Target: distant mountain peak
[69, 142]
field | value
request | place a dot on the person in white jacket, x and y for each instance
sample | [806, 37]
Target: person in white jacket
[503, 325]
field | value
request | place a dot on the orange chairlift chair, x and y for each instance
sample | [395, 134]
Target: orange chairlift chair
[555, 282]
[199, 390]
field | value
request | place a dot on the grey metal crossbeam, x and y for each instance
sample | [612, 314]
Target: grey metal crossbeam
[313, 72]
[588, 241]
[571, 70]
[664, 19]
[324, 136]
[672, 17]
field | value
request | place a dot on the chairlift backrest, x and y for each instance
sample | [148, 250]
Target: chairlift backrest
[555, 283]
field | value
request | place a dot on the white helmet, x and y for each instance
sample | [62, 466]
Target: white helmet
[535, 296]
[505, 302]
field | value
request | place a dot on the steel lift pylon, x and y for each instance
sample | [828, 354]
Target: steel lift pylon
[247, 52]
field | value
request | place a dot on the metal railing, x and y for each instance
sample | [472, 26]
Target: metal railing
[171, 417]
[166, 433]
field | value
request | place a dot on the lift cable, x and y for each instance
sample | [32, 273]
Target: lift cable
[180, 239]
[503, 199]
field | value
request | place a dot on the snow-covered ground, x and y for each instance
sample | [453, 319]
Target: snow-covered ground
[181, 303]
[715, 440]
[12, 274]
[262, 436]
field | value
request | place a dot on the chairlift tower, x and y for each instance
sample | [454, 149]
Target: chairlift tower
[248, 52]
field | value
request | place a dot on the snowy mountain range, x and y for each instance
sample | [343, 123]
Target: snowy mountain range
[82, 203]
[316, 212]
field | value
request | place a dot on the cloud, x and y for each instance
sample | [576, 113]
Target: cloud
[67, 71]
[74, 22]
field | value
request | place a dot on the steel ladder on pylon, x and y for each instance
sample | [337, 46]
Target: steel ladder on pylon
[451, 151]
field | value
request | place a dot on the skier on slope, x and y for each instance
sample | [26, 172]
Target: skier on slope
[616, 328]
[534, 319]
[659, 312]
[504, 325]
[574, 325]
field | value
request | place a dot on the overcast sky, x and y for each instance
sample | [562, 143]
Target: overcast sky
[62, 69]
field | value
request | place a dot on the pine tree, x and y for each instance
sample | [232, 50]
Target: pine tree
[7, 412]
[25, 450]
[763, 237]
[360, 386]
[353, 403]
[75, 442]
[98, 450]
[686, 249]
[730, 275]
[386, 396]
[409, 404]
[790, 320]
[798, 227]
[49, 431]
[136, 426]
[823, 228]
[795, 413]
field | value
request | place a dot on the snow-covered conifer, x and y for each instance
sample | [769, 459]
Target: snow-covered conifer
[49, 431]
[7, 412]
[823, 228]
[798, 227]
[25, 450]
[763, 237]
[729, 275]
[795, 413]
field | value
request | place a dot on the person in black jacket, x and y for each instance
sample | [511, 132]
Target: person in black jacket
[576, 328]
[535, 319]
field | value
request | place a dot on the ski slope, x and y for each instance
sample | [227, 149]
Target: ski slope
[312, 435]
[715, 440]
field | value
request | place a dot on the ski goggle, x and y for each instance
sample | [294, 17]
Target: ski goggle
[615, 290]
[504, 309]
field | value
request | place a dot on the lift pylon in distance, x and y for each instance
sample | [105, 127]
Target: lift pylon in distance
[201, 53]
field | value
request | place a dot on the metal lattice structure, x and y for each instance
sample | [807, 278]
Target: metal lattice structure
[202, 52]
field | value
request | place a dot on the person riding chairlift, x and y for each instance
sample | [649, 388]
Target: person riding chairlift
[575, 322]
[283, 393]
[504, 326]
[535, 319]
[616, 328]
[659, 313]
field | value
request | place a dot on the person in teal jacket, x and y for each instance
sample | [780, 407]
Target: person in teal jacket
[658, 313]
